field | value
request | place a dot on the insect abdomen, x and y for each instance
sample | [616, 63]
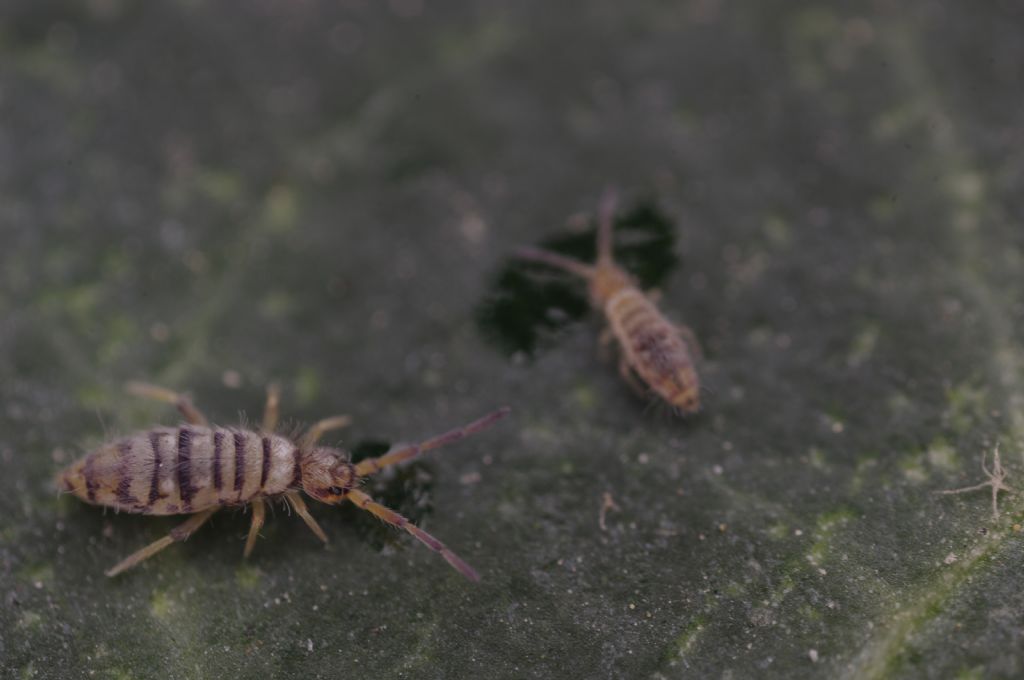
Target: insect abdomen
[654, 349]
[166, 471]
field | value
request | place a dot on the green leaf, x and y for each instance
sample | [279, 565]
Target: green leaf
[212, 197]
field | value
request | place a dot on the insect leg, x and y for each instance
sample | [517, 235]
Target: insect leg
[273, 408]
[627, 374]
[318, 429]
[258, 514]
[184, 404]
[178, 533]
[555, 260]
[394, 519]
[299, 505]
[606, 220]
[692, 344]
[371, 465]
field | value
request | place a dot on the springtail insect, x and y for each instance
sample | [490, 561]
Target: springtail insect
[198, 468]
[652, 348]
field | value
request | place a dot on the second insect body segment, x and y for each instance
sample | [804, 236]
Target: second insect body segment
[653, 349]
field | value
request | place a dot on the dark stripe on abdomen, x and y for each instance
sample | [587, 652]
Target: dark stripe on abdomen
[218, 443]
[633, 311]
[265, 472]
[124, 474]
[642, 319]
[184, 467]
[154, 485]
[239, 460]
[88, 473]
[296, 467]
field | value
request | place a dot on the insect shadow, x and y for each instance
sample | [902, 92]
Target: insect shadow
[527, 303]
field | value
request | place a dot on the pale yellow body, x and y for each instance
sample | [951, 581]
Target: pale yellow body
[186, 469]
[653, 348]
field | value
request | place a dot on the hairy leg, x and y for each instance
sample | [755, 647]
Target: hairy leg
[692, 344]
[259, 513]
[184, 404]
[299, 505]
[178, 533]
[626, 371]
[318, 429]
[272, 410]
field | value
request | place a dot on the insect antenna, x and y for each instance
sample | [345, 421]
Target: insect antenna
[404, 453]
[394, 519]
[555, 260]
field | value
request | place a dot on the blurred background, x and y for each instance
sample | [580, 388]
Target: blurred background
[215, 195]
